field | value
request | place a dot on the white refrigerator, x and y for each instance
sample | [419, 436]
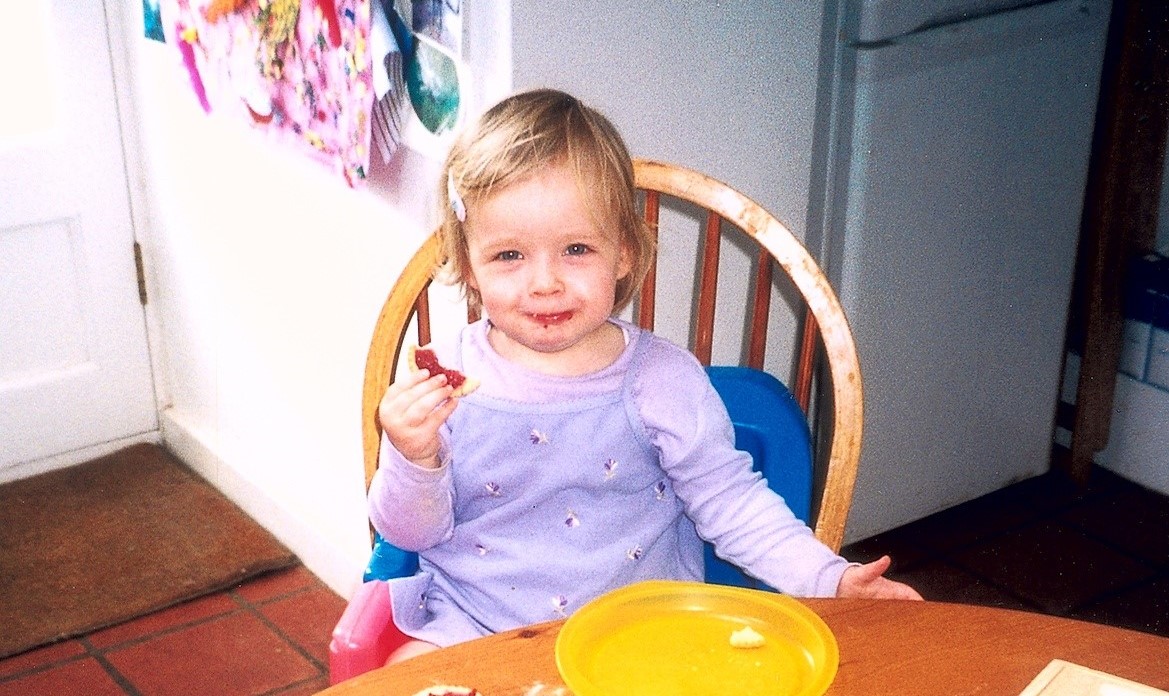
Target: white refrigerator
[953, 192]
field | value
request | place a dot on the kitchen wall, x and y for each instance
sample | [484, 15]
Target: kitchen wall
[1138, 441]
[726, 88]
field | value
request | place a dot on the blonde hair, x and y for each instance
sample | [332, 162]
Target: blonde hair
[517, 138]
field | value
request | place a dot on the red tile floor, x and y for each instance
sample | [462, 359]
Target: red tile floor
[267, 636]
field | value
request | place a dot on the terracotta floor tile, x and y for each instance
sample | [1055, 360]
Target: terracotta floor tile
[308, 619]
[233, 654]
[311, 686]
[83, 676]
[57, 652]
[179, 615]
[276, 584]
[1134, 519]
[1144, 607]
[1056, 567]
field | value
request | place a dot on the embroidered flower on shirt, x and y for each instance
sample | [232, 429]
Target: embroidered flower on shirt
[493, 489]
[537, 437]
[571, 520]
[610, 469]
[559, 603]
[660, 490]
[634, 553]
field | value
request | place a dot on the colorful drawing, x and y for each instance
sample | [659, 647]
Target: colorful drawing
[421, 97]
[152, 20]
[431, 78]
[441, 21]
[300, 70]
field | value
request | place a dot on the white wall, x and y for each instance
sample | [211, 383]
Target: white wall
[266, 274]
[728, 89]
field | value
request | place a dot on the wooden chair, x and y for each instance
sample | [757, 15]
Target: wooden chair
[827, 356]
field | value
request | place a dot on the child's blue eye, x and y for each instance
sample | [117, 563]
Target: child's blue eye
[508, 256]
[576, 249]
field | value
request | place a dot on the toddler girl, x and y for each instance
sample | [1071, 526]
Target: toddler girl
[594, 454]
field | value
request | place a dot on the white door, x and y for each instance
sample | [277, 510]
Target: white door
[74, 365]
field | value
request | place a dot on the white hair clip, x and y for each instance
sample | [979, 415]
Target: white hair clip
[457, 205]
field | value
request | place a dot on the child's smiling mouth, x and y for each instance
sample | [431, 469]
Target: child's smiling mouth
[551, 319]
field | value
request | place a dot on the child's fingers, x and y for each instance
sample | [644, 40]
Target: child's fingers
[412, 418]
[410, 380]
[877, 568]
[424, 399]
[440, 412]
[401, 394]
[413, 409]
[410, 405]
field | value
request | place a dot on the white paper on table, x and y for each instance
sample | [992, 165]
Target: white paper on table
[1062, 678]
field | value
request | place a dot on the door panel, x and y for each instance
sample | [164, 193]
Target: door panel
[74, 363]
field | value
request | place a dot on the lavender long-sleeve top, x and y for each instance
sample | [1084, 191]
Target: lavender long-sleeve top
[555, 490]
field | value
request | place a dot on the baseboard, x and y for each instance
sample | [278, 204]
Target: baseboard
[336, 569]
[73, 457]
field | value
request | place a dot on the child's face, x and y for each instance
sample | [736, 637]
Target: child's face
[546, 273]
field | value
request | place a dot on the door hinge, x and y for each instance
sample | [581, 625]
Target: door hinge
[141, 273]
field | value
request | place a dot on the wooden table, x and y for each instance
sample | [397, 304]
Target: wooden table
[886, 647]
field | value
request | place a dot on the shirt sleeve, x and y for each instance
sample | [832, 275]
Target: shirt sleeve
[730, 504]
[411, 506]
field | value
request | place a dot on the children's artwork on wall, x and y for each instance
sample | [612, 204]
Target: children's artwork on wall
[422, 94]
[300, 70]
[442, 21]
[392, 102]
[152, 20]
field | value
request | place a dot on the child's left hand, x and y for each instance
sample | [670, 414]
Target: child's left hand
[868, 582]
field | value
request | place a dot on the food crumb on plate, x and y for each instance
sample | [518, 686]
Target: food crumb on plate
[746, 637]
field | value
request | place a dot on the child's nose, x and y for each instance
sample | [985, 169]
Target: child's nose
[545, 276]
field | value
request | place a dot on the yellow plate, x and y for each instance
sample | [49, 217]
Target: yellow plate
[673, 638]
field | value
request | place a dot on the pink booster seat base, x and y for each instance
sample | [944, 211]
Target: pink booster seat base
[366, 635]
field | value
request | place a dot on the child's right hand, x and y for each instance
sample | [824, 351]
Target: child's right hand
[412, 411]
[868, 581]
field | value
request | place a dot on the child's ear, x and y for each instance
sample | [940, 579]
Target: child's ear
[625, 264]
